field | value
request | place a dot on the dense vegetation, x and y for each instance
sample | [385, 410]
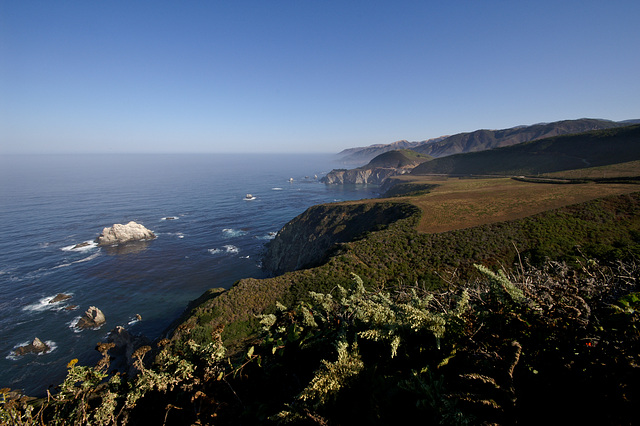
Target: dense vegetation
[549, 344]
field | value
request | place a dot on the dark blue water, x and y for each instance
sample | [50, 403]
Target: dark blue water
[48, 204]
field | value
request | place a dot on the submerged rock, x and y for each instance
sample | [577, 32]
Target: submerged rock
[81, 245]
[60, 297]
[93, 318]
[35, 347]
[119, 233]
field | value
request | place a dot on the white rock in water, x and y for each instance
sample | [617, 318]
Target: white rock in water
[118, 233]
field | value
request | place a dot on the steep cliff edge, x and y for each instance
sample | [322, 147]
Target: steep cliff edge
[306, 240]
[359, 176]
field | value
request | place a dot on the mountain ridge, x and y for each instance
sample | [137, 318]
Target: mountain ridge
[564, 152]
[481, 139]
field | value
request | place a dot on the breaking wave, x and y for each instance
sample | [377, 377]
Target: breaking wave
[13, 357]
[232, 233]
[225, 249]
[84, 246]
[46, 303]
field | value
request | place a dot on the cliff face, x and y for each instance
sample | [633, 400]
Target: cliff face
[376, 176]
[307, 240]
[379, 170]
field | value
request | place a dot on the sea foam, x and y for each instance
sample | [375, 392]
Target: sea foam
[45, 304]
[225, 249]
[86, 246]
[232, 233]
[13, 357]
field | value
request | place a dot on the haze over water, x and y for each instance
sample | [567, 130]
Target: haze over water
[208, 236]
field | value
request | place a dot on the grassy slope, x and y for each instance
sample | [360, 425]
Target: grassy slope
[455, 203]
[488, 220]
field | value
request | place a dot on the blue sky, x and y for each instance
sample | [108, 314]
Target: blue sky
[304, 75]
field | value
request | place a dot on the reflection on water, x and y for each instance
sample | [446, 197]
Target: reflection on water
[127, 248]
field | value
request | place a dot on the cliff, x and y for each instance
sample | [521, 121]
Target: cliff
[307, 239]
[379, 170]
[375, 176]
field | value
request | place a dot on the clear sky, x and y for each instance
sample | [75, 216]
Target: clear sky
[304, 75]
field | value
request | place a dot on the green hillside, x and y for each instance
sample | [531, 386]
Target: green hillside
[398, 159]
[567, 152]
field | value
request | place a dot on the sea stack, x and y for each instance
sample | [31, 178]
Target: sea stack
[118, 234]
[93, 318]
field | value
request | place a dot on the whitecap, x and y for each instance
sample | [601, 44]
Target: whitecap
[12, 355]
[170, 218]
[84, 246]
[175, 234]
[232, 233]
[72, 324]
[269, 236]
[276, 189]
[225, 249]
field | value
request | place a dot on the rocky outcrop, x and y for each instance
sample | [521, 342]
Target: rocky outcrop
[307, 239]
[93, 318]
[60, 297]
[125, 345]
[35, 347]
[118, 234]
[379, 170]
[376, 176]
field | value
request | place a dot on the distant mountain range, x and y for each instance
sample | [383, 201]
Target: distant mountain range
[481, 140]
[363, 155]
[558, 153]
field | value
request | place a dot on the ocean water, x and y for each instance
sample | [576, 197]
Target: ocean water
[208, 236]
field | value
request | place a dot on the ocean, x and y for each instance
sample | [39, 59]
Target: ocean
[208, 235]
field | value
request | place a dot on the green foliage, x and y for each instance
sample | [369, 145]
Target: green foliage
[492, 350]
